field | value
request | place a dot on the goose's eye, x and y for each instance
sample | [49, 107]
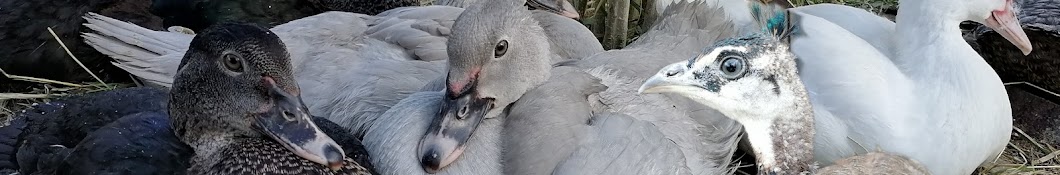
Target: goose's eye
[732, 67]
[233, 63]
[501, 49]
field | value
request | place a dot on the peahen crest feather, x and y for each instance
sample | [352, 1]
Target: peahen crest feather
[773, 17]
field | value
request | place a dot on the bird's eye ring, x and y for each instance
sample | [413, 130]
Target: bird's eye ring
[733, 67]
[232, 62]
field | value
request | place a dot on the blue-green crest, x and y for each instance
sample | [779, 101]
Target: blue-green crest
[774, 18]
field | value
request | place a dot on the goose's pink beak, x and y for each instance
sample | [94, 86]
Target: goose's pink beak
[1004, 21]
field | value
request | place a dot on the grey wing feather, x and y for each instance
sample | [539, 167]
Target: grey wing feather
[421, 31]
[685, 28]
[438, 84]
[620, 144]
[706, 138]
[1045, 12]
[456, 3]
[369, 87]
[548, 122]
[372, 74]
[568, 38]
[552, 129]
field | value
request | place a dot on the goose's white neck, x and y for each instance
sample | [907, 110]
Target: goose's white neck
[928, 40]
[949, 85]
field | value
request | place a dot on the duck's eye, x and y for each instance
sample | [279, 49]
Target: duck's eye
[732, 67]
[501, 49]
[233, 63]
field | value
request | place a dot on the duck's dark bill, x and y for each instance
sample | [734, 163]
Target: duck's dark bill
[445, 138]
[289, 123]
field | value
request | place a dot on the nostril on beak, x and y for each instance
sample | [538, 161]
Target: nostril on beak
[671, 73]
[288, 115]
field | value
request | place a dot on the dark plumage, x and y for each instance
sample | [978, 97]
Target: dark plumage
[199, 14]
[129, 131]
[235, 102]
[1037, 112]
[46, 134]
[67, 121]
[1034, 110]
[141, 143]
[351, 145]
[29, 50]
[1041, 21]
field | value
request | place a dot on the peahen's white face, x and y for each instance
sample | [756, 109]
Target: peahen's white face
[749, 79]
[753, 80]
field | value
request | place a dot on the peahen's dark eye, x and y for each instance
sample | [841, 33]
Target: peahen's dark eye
[501, 49]
[233, 63]
[732, 67]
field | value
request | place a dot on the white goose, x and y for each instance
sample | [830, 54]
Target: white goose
[933, 99]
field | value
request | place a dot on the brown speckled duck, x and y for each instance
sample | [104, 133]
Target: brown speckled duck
[235, 102]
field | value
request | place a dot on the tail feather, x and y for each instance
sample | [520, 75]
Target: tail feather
[150, 55]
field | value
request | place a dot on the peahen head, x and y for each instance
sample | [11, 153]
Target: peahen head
[747, 78]
[754, 80]
[744, 76]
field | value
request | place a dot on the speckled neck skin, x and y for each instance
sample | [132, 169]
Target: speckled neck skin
[792, 145]
[790, 129]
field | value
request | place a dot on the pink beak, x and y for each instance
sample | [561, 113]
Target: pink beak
[1006, 24]
[569, 11]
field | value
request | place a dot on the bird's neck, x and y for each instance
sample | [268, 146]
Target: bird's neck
[928, 39]
[209, 150]
[784, 145]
